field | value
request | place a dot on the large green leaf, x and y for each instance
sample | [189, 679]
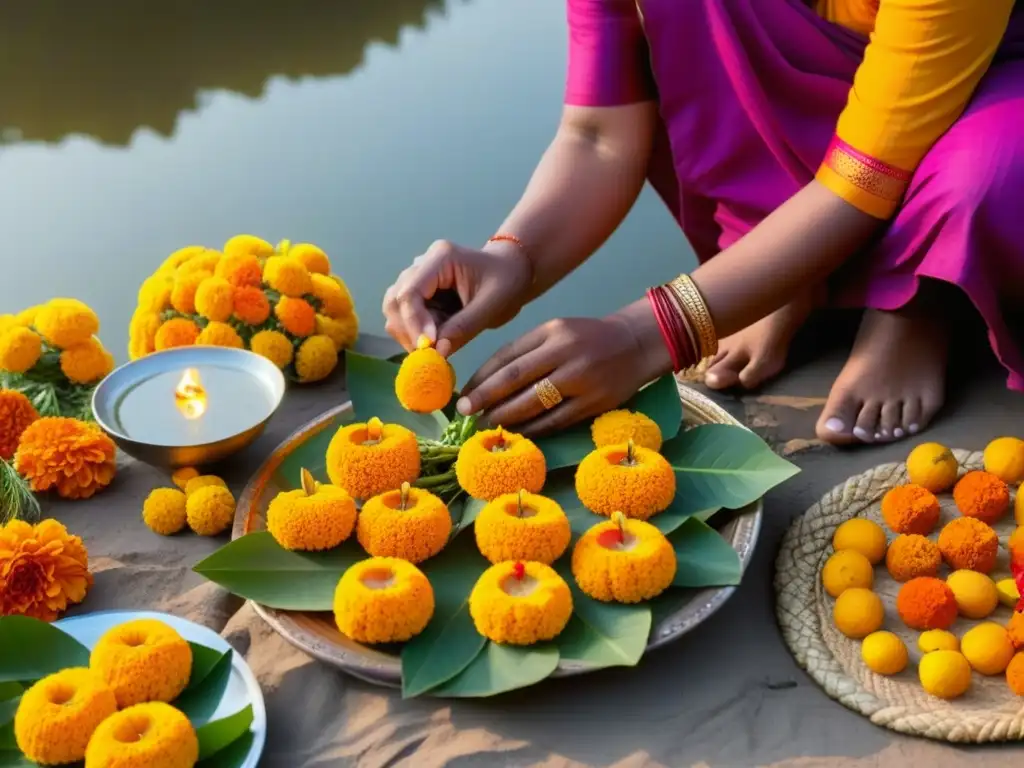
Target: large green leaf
[703, 557]
[257, 568]
[12, 758]
[719, 465]
[31, 649]
[658, 401]
[470, 512]
[10, 690]
[204, 660]
[233, 756]
[501, 668]
[220, 734]
[371, 385]
[7, 709]
[200, 702]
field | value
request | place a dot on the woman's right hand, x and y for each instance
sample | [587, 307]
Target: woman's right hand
[491, 286]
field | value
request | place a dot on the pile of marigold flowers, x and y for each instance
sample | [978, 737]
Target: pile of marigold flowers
[281, 302]
[202, 503]
[967, 545]
[117, 711]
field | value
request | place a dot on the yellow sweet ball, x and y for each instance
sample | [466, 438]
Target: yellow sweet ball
[383, 600]
[944, 674]
[410, 523]
[203, 481]
[425, 380]
[987, 647]
[517, 603]
[636, 481]
[210, 510]
[861, 535]
[975, 593]
[143, 660]
[1009, 595]
[312, 518]
[522, 526]
[858, 612]
[1004, 458]
[846, 569]
[153, 735]
[932, 466]
[163, 511]
[884, 653]
[619, 427]
[937, 640]
[181, 476]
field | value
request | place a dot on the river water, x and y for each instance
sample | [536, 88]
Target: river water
[369, 127]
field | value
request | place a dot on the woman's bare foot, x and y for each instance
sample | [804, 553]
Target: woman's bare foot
[893, 383]
[758, 353]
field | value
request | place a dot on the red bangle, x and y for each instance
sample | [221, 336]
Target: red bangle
[672, 324]
[667, 335]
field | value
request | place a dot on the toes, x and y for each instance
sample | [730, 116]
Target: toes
[725, 372]
[912, 415]
[892, 414]
[838, 418]
[930, 405]
[760, 370]
[867, 426]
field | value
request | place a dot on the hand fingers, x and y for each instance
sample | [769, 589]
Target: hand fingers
[503, 357]
[506, 383]
[405, 303]
[393, 323]
[525, 404]
[566, 414]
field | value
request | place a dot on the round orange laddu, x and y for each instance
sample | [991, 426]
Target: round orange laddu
[926, 603]
[967, 543]
[912, 555]
[910, 509]
[982, 495]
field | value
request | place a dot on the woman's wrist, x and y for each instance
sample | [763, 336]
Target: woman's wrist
[653, 353]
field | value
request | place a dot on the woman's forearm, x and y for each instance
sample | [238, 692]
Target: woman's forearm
[585, 184]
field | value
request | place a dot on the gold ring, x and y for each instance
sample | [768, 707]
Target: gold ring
[547, 393]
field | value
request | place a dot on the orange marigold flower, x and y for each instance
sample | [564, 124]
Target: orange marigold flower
[155, 293]
[251, 305]
[215, 299]
[296, 315]
[334, 301]
[982, 495]
[20, 349]
[176, 332]
[248, 245]
[910, 509]
[967, 543]
[179, 257]
[625, 478]
[274, 346]
[16, 413]
[316, 358]
[217, 334]
[926, 603]
[287, 276]
[240, 269]
[142, 334]
[311, 257]
[204, 261]
[912, 555]
[7, 322]
[494, 462]
[87, 362]
[66, 322]
[43, 569]
[342, 332]
[70, 456]
[183, 294]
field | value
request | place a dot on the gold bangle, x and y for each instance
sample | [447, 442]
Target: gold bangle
[693, 303]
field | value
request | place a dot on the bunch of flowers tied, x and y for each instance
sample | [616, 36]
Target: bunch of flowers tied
[281, 302]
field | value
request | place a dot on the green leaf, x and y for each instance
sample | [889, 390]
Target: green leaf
[219, 734]
[719, 465]
[257, 568]
[501, 668]
[7, 709]
[703, 557]
[371, 385]
[204, 660]
[12, 758]
[233, 756]
[10, 690]
[31, 649]
[201, 702]
[470, 511]
[658, 401]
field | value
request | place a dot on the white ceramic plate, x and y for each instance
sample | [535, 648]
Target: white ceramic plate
[242, 688]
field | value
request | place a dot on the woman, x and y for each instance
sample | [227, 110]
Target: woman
[789, 139]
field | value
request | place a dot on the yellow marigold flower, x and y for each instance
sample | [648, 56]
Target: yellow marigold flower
[316, 358]
[296, 315]
[205, 261]
[155, 293]
[183, 293]
[142, 334]
[274, 346]
[26, 318]
[176, 332]
[252, 306]
[179, 257]
[16, 413]
[20, 349]
[143, 660]
[342, 332]
[287, 276]
[623, 560]
[86, 362]
[311, 518]
[625, 478]
[368, 459]
[217, 334]
[153, 735]
[43, 569]
[58, 715]
[383, 600]
[67, 455]
[425, 380]
[619, 427]
[494, 462]
[240, 269]
[311, 257]
[522, 526]
[344, 287]
[66, 322]
[248, 245]
[409, 523]
[7, 322]
[182, 475]
[520, 603]
[215, 299]
[210, 510]
[164, 511]
[193, 484]
[334, 301]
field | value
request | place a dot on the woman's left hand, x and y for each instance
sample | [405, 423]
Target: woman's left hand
[595, 365]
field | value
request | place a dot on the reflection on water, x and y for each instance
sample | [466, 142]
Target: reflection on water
[370, 127]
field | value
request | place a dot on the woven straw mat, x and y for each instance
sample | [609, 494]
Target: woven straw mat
[987, 712]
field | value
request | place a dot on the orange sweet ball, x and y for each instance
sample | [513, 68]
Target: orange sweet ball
[1015, 629]
[1015, 674]
[926, 603]
[912, 555]
[968, 544]
[910, 509]
[982, 495]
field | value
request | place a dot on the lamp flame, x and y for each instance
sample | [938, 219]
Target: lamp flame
[190, 395]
